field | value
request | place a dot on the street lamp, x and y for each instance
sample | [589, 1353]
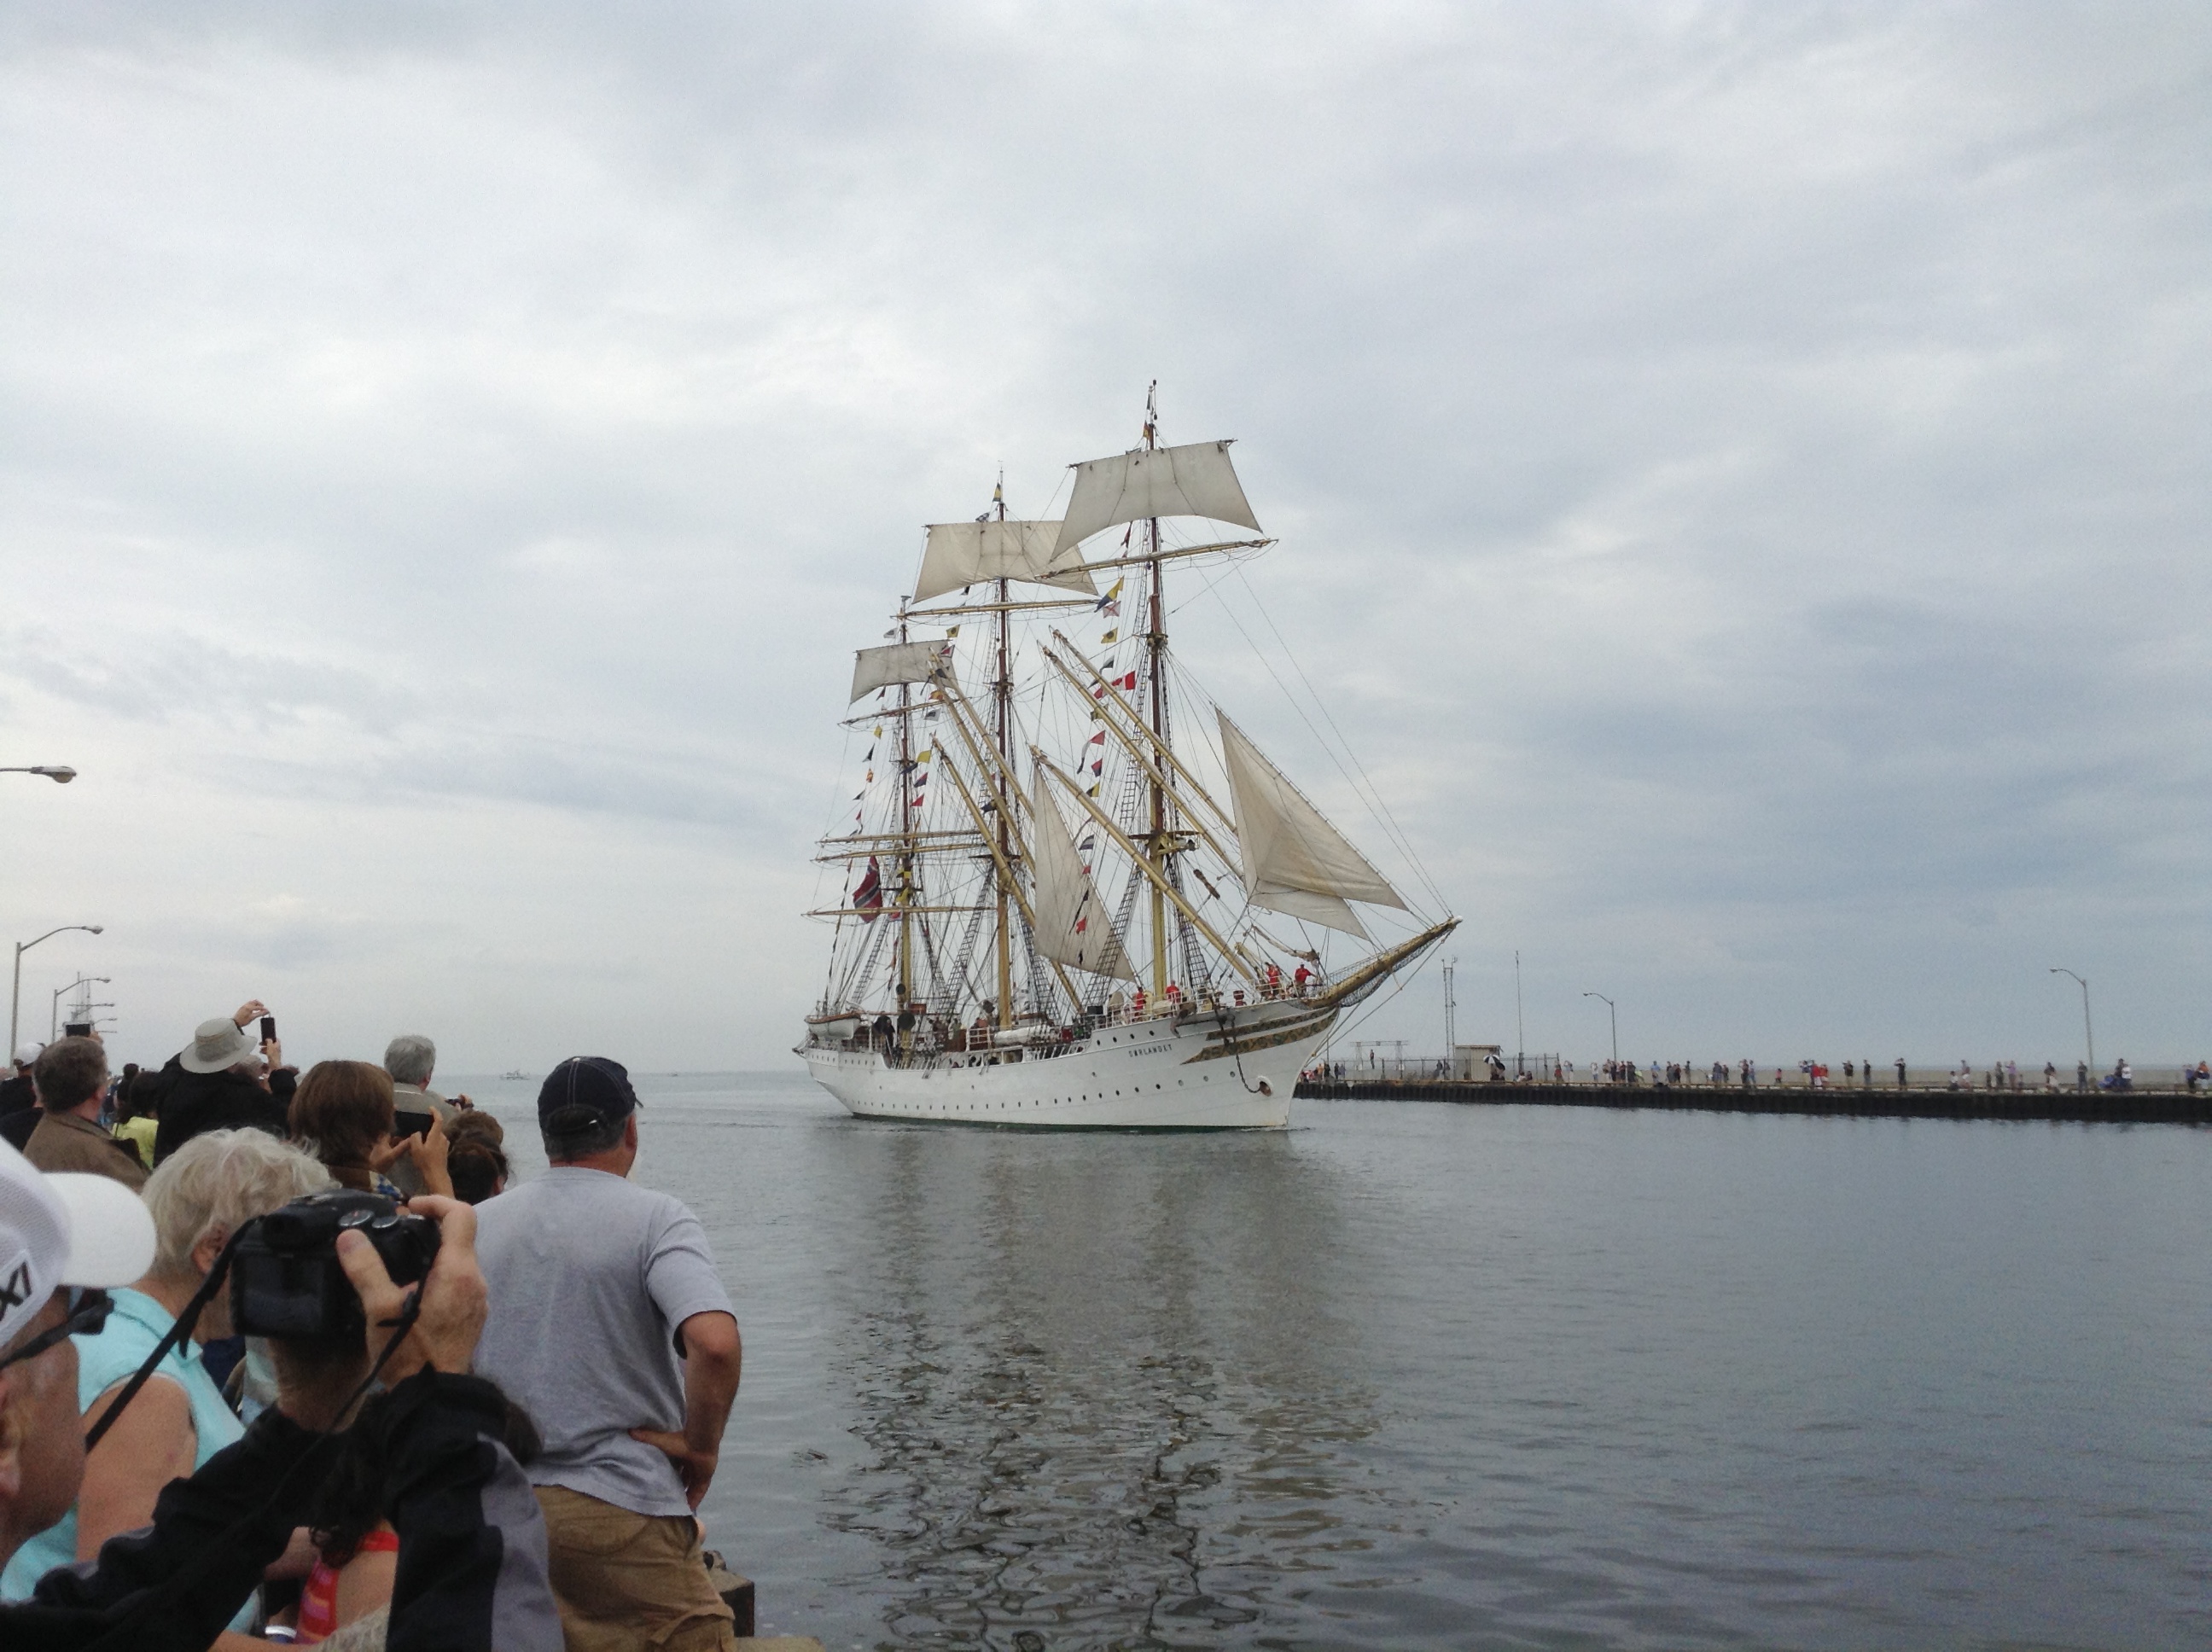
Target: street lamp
[16, 1000]
[59, 773]
[54, 1002]
[2088, 1036]
[1613, 1015]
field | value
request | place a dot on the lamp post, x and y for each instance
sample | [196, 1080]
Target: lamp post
[2088, 1034]
[54, 1003]
[1614, 1015]
[16, 998]
[59, 773]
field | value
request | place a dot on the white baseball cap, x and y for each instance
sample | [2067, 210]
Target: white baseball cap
[64, 1229]
[26, 1054]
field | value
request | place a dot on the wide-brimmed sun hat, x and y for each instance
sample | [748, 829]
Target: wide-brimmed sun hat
[216, 1045]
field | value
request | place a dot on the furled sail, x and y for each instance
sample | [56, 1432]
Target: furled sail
[901, 662]
[1072, 926]
[1196, 480]
[964, 552]
[1294, 860]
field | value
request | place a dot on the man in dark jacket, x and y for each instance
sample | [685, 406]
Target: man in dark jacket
[472, 1570]
[219, 1082]
[19, 1099]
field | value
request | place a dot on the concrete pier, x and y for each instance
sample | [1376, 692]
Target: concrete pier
[1855, 1101]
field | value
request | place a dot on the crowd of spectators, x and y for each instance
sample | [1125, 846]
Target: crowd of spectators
[165, 1483]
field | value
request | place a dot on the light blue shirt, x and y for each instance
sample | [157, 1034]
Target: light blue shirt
[137, 1323]
[590, 1277]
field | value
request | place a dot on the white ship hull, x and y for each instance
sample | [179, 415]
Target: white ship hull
[1230, 1073]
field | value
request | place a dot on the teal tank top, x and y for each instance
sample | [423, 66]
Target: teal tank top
[131, 1333]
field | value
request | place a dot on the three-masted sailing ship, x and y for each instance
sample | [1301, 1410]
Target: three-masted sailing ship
[1071, 898]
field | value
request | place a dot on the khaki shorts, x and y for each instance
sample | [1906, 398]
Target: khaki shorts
[628, 1583]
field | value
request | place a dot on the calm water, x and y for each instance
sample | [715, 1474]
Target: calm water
[1416, 1376]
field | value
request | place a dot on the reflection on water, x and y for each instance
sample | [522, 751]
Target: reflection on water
[1076, 1424]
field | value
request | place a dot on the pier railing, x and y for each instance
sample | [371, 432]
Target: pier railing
[1554, 1071]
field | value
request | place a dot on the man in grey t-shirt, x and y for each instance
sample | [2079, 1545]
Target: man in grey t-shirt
[610, 1325]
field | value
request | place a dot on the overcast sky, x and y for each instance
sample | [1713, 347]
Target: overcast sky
[1741, 474]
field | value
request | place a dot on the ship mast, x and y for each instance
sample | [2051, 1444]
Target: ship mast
[903, 1018]
[1157, 841]
[1002, 700]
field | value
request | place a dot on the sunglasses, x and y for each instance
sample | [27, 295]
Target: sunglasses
[88, 1316]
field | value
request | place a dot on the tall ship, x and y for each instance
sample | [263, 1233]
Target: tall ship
[1075, 894]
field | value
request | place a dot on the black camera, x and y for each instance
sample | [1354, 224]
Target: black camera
[285, 1279]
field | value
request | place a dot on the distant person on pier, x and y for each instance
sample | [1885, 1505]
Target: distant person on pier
[410, 1058]
[609, 1326]
[71, 1077]
[2050, 1075]
[1900, 1073]
[222, 1081]
[2082, 1075]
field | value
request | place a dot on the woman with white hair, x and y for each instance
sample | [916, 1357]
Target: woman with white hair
[203, 1193]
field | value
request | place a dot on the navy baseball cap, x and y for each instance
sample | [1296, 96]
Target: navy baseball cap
[583, 1090]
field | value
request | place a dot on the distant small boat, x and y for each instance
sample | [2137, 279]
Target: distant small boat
[514, 1073]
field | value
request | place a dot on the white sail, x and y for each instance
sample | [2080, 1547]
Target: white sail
[1294, 860]
[1072, 924]
[966, 553]
[901, 662]
[1196, 480]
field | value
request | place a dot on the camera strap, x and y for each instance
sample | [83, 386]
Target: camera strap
[122, 1636]
[186, 1320]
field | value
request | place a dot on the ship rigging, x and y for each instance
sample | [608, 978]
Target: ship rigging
[1071, 897]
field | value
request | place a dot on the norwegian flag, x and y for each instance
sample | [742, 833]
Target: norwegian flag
[868, 897]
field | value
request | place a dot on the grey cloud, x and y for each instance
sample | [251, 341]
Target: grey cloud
[1741, 466]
